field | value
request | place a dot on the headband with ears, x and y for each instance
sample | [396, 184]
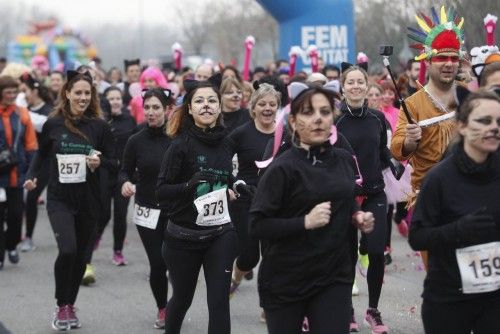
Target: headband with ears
[70, 74]
[131, 62]
[215, 80]
[167, 92]
[344, 66]
[28, 80]
[297, 88]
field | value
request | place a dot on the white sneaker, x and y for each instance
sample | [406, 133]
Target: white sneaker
[355, 289]
[27, 245]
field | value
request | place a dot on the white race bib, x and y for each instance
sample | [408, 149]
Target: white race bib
[212, 208]
[479, 267]
[145, 216]
[72, 168]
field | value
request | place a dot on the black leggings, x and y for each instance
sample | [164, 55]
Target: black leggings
[328, 312]
[184, 266]
[477, 315]
[32, 199]
[11, 212]
[120, 205]
[248, 247]
[153, 241]
[373, 244]
[401, 213]
[73, 233]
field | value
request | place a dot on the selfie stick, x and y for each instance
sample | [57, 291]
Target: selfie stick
[400, 98]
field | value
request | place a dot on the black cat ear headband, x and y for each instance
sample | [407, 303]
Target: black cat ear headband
[167, 92]
[70, 74]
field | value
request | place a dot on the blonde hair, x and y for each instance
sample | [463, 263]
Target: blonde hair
[263, 90]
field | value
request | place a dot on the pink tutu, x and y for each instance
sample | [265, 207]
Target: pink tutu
[397, 191]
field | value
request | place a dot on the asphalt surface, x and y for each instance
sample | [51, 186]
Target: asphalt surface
[121, 301]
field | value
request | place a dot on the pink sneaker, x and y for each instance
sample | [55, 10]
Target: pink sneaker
[74, 322]
[305, 325]
[61, 319]
[160, 319]
[403, 228]
[353, 326]
[119, 259]
[374, 320]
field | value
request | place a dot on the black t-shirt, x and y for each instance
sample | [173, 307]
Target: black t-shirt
[141, 163]
[56, 138]
[192, 151]
[122, 127]
[249, 144]
[450, 191]
[366, 131]
[297, 263]
[234, 119]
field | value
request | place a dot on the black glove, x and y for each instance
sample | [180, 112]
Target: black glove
[200, 177]
[397, 168]
[246, 189]
[477, 227]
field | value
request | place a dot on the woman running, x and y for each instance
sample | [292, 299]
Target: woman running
[249, 142]
[194, 179]
[140, 166]
[78, 143]
[457, 219]
[303, 212]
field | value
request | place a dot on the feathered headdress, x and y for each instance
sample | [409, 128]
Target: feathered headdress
[443, 33]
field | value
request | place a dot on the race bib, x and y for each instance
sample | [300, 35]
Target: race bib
[146, 217]
[479, 267]
[212, 208]
[72, 168]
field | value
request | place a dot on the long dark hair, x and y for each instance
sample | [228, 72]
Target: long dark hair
[42, 90]
[63, 108]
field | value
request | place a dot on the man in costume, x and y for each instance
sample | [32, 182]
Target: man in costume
[432, 108]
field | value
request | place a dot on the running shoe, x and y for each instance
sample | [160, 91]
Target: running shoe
[89, 276]
[363, 263]
[233, 288]
[403, 228]
[27, 245]
[305, 325]
[13, 256]
[249, 275]
[74, 322]
[119, 259]
[374, 320]
[353, 326]
[355, 289]
[160, 319]
[262, 317]
[387, 256]
[61, 320]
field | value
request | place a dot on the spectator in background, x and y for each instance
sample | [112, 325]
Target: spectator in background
[331, 72]
[258, 73]
[203, 72]
[132, 74]
[114, 76]
[152, 77]
[231, 71]
[3, 63]
[56, 81]
[412, 72]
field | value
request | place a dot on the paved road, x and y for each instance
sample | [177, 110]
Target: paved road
[121, 301]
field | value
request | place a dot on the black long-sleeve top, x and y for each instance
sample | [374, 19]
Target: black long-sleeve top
[366, 131]
[192, 151]
[452, 189]
[234, 119]
[122, 127]
[141, 163]
[297, 263]
[249, 144]
[56, 138]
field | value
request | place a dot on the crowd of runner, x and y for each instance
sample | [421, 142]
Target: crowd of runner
[299, 176]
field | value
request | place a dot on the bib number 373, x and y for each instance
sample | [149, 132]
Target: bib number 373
[212, 208]
[72, 168]
[479, 267]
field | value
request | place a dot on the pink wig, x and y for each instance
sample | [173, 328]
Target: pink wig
[41, 63]
[155, 74]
